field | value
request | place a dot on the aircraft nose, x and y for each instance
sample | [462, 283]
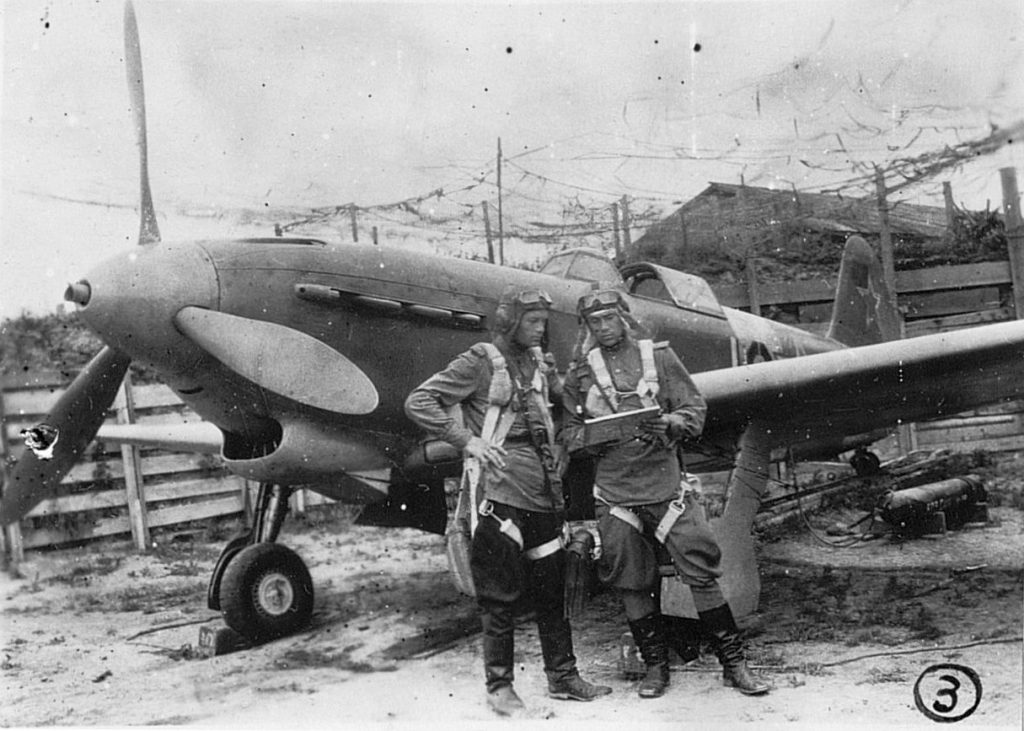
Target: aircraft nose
[130, 300]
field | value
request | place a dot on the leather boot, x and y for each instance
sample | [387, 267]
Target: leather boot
[683, 635]
[505, 702]
[725, 638]
[649, 637]
[564, 681]
[498, 650]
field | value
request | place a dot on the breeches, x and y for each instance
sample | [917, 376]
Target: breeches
[501, 572]
[629, 558]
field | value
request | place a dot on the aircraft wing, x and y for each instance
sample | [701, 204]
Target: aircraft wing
[201, 437]
[856, 390]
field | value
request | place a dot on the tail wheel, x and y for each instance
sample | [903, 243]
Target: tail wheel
[266, 592]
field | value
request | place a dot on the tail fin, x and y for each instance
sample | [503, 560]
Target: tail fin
[863, 313]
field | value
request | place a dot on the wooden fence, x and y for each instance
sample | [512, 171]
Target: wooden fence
[118, 490]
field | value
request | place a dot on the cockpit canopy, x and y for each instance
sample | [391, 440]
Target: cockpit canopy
[650, 281]
[585, 265]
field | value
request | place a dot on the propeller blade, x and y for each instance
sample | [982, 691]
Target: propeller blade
[149, 233]
[76, 416]
[281, 360]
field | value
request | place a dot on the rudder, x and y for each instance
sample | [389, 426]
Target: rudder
[862, 313]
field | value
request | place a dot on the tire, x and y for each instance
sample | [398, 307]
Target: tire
[865, 463]
[266, 592]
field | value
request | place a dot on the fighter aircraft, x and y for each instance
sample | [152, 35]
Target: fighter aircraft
[298, 353]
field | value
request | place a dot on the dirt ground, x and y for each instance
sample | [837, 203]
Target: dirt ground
[104, 637]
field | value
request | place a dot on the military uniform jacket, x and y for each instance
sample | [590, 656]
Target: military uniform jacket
[633, 471]
[466, 381]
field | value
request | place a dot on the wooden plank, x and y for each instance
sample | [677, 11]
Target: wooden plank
[957, 322]
[103, 500]
[155, 395]
[116, 525]
[110, 499]
[40, 401]
[152, 465]
[1001, 444]
[956, 276]
[231, 505]
[941, 304]
[193, 488]
[956, 435]
[101, 528]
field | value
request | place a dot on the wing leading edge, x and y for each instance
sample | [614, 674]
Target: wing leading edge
[856, 390]
[202, 437]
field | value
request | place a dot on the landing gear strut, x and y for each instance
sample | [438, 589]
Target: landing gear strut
[263, 589]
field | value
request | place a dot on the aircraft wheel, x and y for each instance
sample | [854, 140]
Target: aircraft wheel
[266, 592]
[865, 463]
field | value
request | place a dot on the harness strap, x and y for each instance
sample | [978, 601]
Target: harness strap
[544, 549]
[507, 527]
[628, 516]
[688, 483]
[676, 508]
[497, 422]
[647, 386]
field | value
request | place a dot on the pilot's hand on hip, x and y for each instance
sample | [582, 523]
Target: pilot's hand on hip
[489, 455]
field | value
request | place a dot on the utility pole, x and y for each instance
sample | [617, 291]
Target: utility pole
[501, 227]
[487, 231]
[627, 242]
[615, 226]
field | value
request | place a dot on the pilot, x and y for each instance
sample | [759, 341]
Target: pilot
[641, 498]
[506, 435]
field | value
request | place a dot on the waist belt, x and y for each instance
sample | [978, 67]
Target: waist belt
[518, 440]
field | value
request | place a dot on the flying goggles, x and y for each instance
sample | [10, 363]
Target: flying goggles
[533, 299]
[601, 299]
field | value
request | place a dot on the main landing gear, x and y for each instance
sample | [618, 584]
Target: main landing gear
[262, 588]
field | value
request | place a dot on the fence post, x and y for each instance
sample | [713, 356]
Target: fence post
[906, 435]
[1014, 237]
[11, 543]
[752, 286]
[131, 458]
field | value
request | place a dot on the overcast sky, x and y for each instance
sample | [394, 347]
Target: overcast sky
[304, 104]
